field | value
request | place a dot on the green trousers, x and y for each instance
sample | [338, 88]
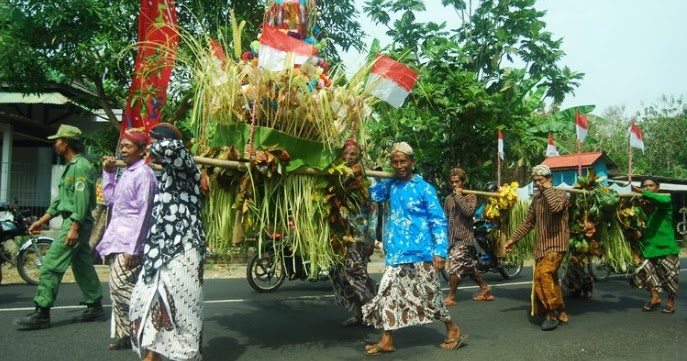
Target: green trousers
[56, 261]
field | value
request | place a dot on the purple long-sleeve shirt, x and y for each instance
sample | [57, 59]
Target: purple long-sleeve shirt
[130, 199]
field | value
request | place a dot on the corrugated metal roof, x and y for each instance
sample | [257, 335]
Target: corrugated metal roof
[42, 98]
[572, 160]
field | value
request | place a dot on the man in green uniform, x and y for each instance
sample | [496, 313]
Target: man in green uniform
[74, 202]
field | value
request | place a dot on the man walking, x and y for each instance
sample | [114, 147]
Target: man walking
[74, 202]
[548, 215]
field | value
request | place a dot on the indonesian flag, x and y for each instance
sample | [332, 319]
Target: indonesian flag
[218, 62]
[276, 47]
[581, 126]
[551, 150]
[500, 145]
[390, 80]
[636, 140]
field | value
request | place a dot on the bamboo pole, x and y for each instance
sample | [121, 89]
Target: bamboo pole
[244, 166]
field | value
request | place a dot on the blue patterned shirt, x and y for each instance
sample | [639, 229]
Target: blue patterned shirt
[416, 229]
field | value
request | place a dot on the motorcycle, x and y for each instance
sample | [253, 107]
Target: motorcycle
[267, 269]
[485, 256]
[29, 258]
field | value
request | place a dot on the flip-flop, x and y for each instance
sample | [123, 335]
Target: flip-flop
[483, 298]
[376, 350]
[668, 310]
[648, 307]
[458, 342]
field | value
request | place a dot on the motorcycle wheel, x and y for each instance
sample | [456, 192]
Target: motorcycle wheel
[599, 269]
[265, 273]
[30, 260]
[510, 269]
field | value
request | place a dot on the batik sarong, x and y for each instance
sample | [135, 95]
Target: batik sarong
[353, 286]
[461, 261]
[660, 273]
[167, 313]
[409, 294]
[547, 295]
[122, 282]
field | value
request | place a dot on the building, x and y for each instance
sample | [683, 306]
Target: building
[29, 166]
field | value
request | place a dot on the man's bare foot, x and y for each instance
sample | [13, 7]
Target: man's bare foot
[449, 302]
[563, 317]
[453, 338]
[152, 356]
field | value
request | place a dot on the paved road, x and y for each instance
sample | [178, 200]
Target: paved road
[300, 322]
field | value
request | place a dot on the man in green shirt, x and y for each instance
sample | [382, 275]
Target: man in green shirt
[74, 203]
[660, 265]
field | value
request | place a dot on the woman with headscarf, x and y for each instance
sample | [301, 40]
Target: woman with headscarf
[353, 286]
[659, 268]
[548, 215]
[166, 305]
[416, 243]
[131, 199]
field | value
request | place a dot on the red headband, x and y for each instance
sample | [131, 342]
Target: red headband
[351, 142]
[136, 136]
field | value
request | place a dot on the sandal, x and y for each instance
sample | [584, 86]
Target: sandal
[648, 307]
[456, 341]
[668, 310]
[375, 350]
[483, 298]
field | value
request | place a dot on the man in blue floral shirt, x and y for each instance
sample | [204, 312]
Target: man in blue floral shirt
[416, 243]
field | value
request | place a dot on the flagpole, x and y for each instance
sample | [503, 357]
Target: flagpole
[629, 165]
[579, 158]
[498, 168]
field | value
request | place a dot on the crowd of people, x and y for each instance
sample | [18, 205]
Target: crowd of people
[155, 246]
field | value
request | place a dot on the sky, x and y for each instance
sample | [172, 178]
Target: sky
[631, 51]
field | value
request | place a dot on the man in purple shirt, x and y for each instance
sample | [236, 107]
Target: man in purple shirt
[130, 199]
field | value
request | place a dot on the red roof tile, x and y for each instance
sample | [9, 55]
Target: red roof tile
[571, 160]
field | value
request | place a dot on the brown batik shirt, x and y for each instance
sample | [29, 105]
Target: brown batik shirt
[548, 215]
[459, 209]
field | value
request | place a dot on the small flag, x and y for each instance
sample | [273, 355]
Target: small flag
[581, 126]
[500, 144]
[390, 80]
[275, 47]
[219, 60]
[551, 150]
[636, 140]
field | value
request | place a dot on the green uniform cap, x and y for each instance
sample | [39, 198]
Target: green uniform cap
[67, 131]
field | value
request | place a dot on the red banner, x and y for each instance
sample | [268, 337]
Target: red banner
[157, 43]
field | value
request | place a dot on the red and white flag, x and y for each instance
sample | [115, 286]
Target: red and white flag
[390, 80]
[636, 140]
[551, 150]
[581, 126]
[276, 46]
[500, 145]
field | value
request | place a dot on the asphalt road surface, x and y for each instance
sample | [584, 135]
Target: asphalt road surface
[301, 322]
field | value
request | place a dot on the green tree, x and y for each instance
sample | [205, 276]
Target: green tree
[494, 71]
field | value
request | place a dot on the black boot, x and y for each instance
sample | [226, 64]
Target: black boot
[93, 312]
[36, 320]
[123, 343]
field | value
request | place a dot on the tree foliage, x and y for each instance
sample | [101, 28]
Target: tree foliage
[494, 71]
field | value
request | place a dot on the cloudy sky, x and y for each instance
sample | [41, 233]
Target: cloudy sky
[632, 51]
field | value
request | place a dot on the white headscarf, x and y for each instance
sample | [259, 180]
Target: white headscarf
[403, 147]
[541, 170]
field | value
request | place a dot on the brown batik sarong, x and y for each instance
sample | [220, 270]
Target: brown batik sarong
[122, 282]
[409, 294]
[546, 291]
[660, 273]
[461, 261]
[353, 286]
